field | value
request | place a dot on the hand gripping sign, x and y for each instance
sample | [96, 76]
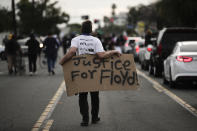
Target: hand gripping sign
[87, 73]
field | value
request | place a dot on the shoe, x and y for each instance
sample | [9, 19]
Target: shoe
[53, 72]
[10, 72]
[95, 120]
[84, 123]
[30, 73]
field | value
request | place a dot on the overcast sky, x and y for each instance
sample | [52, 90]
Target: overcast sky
[96, 9]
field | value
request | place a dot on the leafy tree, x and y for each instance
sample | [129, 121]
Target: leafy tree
[75, 28]
[113, 9]
[166, 13]
[133, 16]
[177, 12]
[143, 13]
[6, 19]
[40, 16]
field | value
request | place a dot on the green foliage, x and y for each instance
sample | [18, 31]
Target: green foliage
[143, 13]
[166, 13]
[177, 12]
[6, 19]
[75, 28]
[41, 17]
[113, 29]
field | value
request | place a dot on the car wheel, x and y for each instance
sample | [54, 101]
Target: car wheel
[139, 61]
[150, 70]
[146, 65]
[155, 71]
[164, 80]
[171, 82]
[142, 65]
[136, 59]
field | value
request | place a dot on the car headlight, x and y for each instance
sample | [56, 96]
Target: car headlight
[41, 45]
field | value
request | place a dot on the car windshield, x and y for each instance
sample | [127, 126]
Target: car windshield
[189, 48]
[169, 39]
[131, 41]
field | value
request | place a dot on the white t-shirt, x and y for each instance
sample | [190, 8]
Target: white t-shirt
[87, 44]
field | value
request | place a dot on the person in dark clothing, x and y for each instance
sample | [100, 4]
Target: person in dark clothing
[12, 49]
[33, 51]
[66, 43]
[84, 110]
[81, 49]
[148, 38]
[51, 44]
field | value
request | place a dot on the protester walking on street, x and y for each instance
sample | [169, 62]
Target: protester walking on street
[51, 44]
[33, 51]
[87, 44]
[12, 49]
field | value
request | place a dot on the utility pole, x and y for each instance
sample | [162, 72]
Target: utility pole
[14, 18]
[33, 15]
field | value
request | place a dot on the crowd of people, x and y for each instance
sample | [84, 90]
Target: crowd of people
[14, 53]
[109, 41]
[51, 45]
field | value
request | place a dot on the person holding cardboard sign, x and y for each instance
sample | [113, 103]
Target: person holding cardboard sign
[87, 44]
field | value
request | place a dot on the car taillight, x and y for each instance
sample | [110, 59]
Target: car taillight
[149, 49]
[137, 49]
[184, 58]
[159, 49]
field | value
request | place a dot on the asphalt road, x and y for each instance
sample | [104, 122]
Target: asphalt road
[24, 100]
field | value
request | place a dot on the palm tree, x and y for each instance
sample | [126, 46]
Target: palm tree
[113, 9]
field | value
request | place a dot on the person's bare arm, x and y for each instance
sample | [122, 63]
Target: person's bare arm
[107, 54]
[68, 55]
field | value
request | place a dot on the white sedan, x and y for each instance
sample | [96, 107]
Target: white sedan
[181, 65]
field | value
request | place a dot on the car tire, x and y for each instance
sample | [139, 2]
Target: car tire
[150, 70]
[139, 61]
[146, 65]
[155, 71]
[142, 65]
[171, 82]
[3, 56]
[164, 80]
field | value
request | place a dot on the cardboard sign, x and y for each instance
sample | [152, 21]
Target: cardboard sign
[87, 73]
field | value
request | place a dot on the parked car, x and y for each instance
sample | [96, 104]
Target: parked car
[144, 56]
[145, 52]
[166, 41]
[128, 46]
[24, 48]
[138, 47]
[181, 65]
[2, 52]
[133, 46]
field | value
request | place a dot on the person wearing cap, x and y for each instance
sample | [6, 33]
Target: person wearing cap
[81, 49]
[33, 51]
[12, 49]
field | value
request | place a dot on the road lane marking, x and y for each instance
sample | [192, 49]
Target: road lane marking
[48, 125]
[162, 89]
[49, 108]
[158, 89]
